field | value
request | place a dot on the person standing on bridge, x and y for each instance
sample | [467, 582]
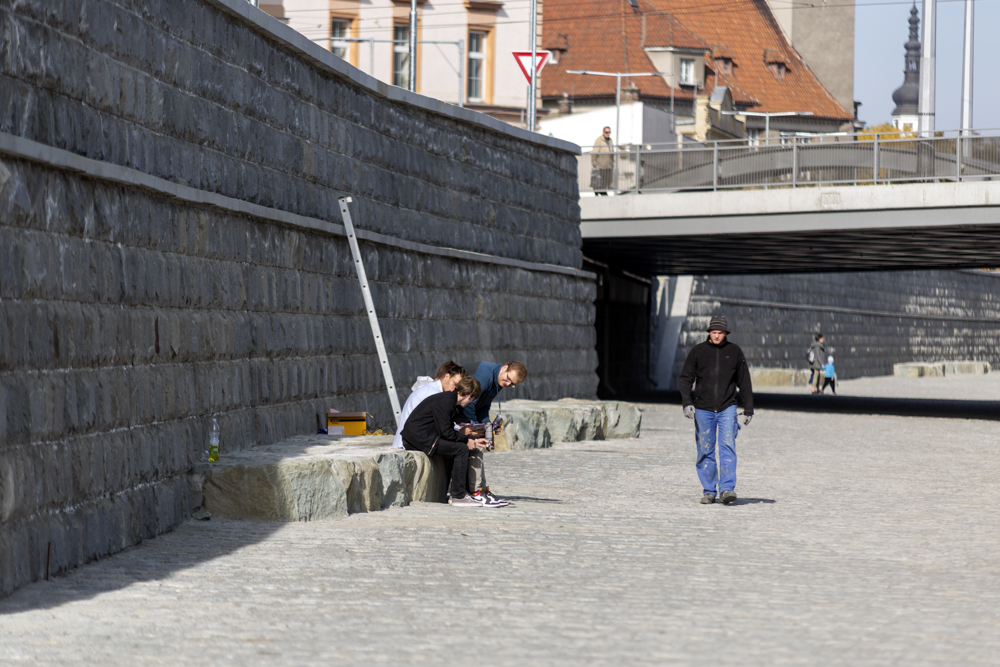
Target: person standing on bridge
[602, 162]
[713, 371]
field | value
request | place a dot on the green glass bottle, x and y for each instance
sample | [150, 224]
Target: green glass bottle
[213, 442]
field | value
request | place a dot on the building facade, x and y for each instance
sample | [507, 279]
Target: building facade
[823, 34]
[464, 49]
[707, 68]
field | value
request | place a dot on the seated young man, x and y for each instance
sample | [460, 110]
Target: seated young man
[492, 379]
[430, 428]
[447, 377]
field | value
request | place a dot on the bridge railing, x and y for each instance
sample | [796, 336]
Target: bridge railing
[858, 159]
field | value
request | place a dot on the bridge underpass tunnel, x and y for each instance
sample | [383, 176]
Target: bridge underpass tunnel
[623, 326]
[871, 321]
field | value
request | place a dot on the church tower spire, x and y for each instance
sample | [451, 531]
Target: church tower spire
[907, 96]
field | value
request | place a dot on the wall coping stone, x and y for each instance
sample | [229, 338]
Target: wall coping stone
[26, 149]
[324, 60]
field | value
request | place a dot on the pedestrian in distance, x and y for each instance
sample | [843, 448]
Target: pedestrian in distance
[815, 356]
[602, 163]
[713, 371]
[430, 429]
[829, 377]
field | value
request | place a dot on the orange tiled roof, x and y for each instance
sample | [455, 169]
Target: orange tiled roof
[609, 36]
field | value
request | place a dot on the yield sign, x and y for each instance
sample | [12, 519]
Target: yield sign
[523, 59]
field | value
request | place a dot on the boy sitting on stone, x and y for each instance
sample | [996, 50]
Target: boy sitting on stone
[430, 429]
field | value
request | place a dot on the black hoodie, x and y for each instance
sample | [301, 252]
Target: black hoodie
[714, 372]
[432, 420]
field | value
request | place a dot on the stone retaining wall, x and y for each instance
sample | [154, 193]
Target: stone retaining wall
[170, 250]
[870, 320]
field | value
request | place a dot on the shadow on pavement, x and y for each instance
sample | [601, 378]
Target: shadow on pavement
[191, 544]
[753, 501]
[533, 500]
[857, 405]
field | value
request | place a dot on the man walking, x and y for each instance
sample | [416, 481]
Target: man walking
[712, 372]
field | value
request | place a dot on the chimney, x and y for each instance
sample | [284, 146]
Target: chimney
[630, 93]
[565, 105]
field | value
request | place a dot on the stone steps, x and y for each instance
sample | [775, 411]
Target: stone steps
[308, 478]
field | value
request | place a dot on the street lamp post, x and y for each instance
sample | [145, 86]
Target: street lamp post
[618, 89]
[533, 79]
[925, 106]
[967, 70]
[413, 47]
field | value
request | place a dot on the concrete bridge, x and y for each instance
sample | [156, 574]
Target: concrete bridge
[785, 230]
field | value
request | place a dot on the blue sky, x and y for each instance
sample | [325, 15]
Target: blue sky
[881, 29]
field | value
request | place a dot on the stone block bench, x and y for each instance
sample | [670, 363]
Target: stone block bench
[917, 369]
[307, 478]
[779, 377]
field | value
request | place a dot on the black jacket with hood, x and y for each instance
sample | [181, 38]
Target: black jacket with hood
[433, 419]
[711, 375]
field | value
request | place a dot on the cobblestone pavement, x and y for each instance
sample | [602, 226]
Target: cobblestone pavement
[857, 540]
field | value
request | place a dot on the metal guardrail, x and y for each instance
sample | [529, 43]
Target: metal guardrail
[859, 159]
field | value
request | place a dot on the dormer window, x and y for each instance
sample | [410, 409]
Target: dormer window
[724, 65]
[686, 77]
[776, 63]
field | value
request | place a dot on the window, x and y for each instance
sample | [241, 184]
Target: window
[778, 70]
[477, 65]
[339, 30]
[687, 72]
[753, 136]
[724, 65]
[401, 56]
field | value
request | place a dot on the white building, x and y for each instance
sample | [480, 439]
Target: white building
[463, 52]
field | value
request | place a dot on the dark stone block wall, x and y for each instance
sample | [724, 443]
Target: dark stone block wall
[870, 320]
[128, 318]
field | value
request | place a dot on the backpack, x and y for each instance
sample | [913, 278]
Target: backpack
[811, 354]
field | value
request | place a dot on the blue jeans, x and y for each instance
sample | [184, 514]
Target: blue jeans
[711, 475]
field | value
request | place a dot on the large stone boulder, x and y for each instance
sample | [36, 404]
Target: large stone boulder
[537, 424]
[318, 477]
[966, 367]
[918, 369]
[779, 377]
[622, 420]
[303, 490]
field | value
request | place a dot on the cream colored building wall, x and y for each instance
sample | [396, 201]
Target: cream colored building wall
[309, 17]
[506, 23]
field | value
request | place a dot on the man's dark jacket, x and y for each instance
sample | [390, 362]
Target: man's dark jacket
[434, 418]
[715, 371]
[478, 411]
